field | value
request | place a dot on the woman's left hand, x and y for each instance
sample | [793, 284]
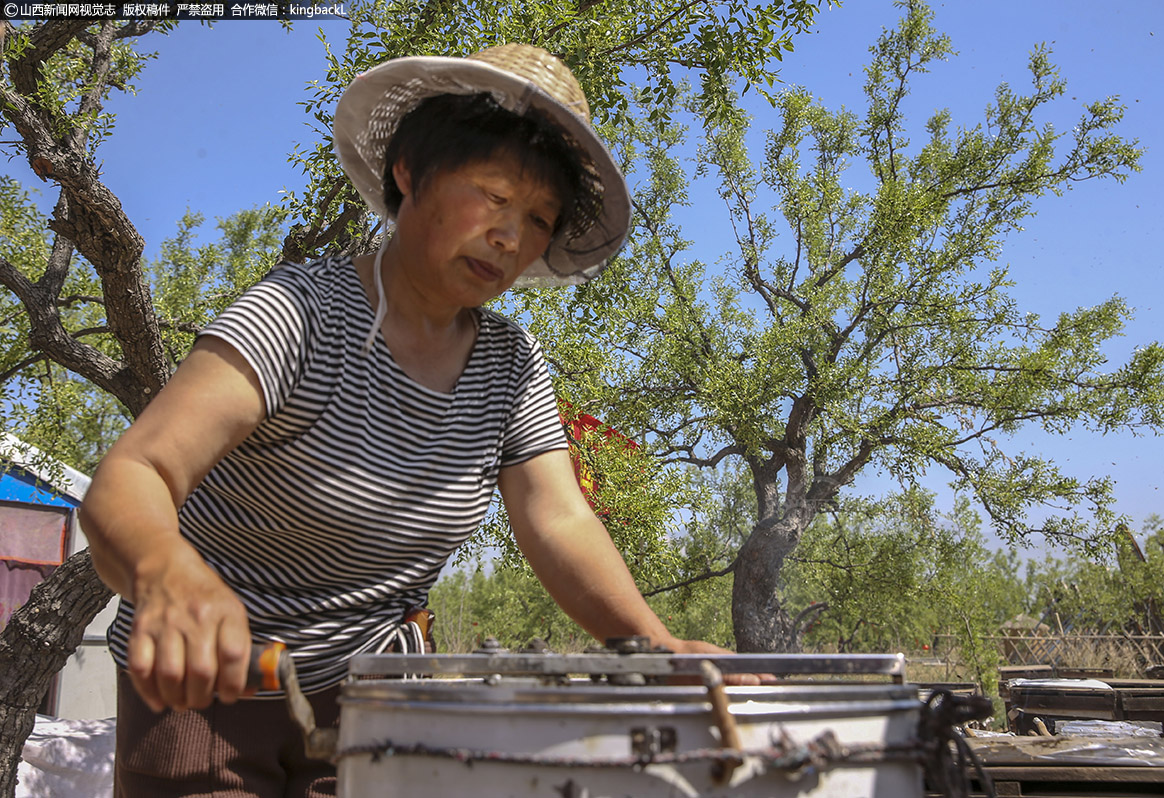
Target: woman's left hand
[678, 646]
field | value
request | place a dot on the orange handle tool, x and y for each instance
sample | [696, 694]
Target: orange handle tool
[263, 671]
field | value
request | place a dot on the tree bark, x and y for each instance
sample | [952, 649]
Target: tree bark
[38, 640]
[761, 622]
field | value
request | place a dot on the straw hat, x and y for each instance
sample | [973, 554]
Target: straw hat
[519, 77]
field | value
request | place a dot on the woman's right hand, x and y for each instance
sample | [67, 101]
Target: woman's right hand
[190, 639]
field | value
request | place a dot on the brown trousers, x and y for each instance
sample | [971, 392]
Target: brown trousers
[250, 749]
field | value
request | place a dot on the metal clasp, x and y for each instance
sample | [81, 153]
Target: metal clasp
[650, 741]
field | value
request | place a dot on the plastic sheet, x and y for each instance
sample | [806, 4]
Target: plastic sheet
[1078, 684]
[1108, 728]
[1058, 750]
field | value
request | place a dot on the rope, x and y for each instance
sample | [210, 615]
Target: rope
[943, 713]
[819, 753]
[381, 305]
[408, 638]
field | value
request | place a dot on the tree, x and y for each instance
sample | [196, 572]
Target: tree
[58, 76]
[879, 335]
[881, 573]
[696, 601]
[56, 410]
[894, 574]
[1120, 594]
[476, 602]
[627, 488]
[85, 260]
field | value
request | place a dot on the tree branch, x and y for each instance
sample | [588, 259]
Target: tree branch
[814, 609]
[21, 366]
[47, 335]
[77, 299]
[43, 41]
[646, 35]
[693, 580]
[92, 98]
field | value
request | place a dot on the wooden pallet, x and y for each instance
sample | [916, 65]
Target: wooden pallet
[1078, 767]
[1122, 699]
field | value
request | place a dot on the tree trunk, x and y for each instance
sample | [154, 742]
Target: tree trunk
[34, 646]
[760, 620]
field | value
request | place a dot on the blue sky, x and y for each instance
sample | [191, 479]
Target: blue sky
[216, 114]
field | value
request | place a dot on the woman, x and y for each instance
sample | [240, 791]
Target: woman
[338, 432]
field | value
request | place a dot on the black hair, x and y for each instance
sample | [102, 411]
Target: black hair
[448, 131]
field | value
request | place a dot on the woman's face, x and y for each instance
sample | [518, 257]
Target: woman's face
[469, 233]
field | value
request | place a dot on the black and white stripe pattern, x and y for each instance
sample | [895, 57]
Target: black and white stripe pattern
[339, 511]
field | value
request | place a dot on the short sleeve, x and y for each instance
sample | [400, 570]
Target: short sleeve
[269, 325]
[535, 426]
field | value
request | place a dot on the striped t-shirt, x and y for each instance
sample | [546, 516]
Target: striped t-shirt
[337, 513]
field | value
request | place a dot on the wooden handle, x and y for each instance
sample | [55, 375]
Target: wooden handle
[729, 733]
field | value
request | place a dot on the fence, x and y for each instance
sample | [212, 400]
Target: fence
[1126, 655]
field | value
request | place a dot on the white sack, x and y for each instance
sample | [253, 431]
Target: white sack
[67, 759]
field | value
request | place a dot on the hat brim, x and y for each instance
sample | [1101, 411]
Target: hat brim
[373, 105]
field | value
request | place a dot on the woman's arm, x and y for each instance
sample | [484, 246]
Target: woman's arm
[574, 557]
[190, 636]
